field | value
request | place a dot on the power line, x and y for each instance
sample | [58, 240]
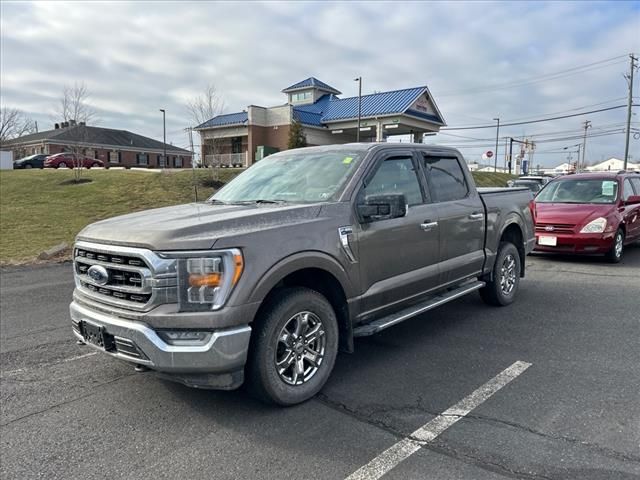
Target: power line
[476, 127]
[542, 78]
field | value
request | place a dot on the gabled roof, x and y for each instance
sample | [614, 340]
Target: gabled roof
[96, 136]
[311, 82]
[228, 119]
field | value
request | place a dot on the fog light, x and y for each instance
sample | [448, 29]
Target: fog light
[184, 337]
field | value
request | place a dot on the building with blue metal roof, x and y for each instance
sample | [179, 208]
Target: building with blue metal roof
[243, 137]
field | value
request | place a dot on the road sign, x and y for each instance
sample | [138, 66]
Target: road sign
[489, 154]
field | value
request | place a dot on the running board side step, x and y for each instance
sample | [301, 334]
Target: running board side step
[395, 318]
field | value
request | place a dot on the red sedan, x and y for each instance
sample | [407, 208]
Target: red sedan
[68, 160]
[588, 213]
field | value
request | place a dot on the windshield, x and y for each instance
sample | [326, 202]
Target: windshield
[303, 176]
[579, 191]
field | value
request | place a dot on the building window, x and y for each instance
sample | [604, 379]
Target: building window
[298, 97]
[114, 157]
[142, 159]
[236, 145]
[178, 162]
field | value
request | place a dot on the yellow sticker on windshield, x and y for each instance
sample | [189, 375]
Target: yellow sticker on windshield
[347, 160]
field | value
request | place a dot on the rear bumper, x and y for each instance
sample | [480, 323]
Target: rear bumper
[218, 363]
[581, 243]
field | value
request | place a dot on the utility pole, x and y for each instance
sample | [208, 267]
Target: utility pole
[510, 153]
[359, 80]
[586, 126]
[629, 102]
[193, 164]
[495, 162]
[164, 137]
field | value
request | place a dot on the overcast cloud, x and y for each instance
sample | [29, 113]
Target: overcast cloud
[139, 57]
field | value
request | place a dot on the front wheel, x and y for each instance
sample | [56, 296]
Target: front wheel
[502, 289]
[28, 165]
[62, 165]
[615, 254]
[293, 347]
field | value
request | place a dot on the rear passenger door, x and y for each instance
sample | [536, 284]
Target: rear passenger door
[631, 186]
[461, 218]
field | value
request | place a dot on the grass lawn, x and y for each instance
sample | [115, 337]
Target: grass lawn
[38, 211]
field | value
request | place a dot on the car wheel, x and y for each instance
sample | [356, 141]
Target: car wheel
[293, 347]
[502, 289]
[95, 164]
[28, 165]
[62, 165]
[615, 254]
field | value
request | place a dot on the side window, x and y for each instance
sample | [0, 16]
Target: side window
[636, 183]
[396, 175]
[627, 190]
[446, 178]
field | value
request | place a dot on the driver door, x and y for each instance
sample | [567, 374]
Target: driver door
[398, 256]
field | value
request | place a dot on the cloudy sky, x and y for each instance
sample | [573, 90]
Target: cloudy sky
[480, 60]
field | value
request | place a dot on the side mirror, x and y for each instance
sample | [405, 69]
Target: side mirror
[382, 207]
[632, 200]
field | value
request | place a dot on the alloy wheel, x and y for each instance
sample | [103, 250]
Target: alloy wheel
[508, 274]
[301, 348]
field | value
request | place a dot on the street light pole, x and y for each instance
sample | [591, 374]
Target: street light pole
[495, 162]
[359, 80]
[164, 137]
[587, 125]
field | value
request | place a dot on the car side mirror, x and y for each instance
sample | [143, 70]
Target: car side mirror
[632, 200]
[382, 207]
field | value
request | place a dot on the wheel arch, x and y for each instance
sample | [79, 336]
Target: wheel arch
[512, 232]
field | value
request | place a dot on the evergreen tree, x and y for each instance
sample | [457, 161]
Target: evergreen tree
[297, 137]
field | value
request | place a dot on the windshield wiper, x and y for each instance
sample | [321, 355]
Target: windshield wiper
[215, 201]
[259, 201]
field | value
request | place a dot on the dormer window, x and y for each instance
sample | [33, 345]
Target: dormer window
[301, 96]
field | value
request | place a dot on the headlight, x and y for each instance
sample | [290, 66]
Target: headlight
[206, 279]
[595, 226]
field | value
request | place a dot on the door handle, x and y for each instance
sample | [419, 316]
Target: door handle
[476, 216]
[426, 226]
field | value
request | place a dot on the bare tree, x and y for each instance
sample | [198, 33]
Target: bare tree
[14, 123]
[201, 108]
[74, 109]
[74, 104]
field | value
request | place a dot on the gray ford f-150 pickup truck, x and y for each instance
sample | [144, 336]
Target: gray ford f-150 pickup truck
[287, 263]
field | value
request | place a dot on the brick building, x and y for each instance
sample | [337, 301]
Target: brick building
[242, 138]
[116, 148]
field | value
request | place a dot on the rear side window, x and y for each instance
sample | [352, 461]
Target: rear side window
[635, 181]
[446, 178]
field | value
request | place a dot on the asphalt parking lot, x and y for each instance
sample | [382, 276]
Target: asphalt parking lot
[572, 410]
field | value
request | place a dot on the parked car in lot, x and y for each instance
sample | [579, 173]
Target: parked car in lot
[68, 160]
[291, 260]
[542, 180]
[588, 213]
[532, 185]
[32, 161]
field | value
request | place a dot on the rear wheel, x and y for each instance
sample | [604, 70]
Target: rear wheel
[293, 347]
[28, 165]
[615, 254]
[502, 289]
[95, 164]
[62, 165]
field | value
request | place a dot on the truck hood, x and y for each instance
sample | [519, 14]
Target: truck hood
[193, 226]
[570, 213]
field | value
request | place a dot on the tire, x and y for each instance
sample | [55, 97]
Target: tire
[28, 165]
[95, 164]
[501, 291]
[279, 337]
[62, 165]
[617, 249]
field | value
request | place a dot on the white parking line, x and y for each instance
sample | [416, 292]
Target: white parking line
[391, 457]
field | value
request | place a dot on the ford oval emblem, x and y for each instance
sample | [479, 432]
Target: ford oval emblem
[98, 274]
[549, 228]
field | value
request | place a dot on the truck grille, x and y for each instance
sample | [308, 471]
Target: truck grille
[555, 227]
[131, 275]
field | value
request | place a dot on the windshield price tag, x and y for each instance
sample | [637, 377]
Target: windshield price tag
[608, 188]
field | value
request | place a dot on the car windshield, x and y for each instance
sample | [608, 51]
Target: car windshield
[298, 177]
[580, 190]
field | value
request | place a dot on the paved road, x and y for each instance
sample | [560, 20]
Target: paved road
[574, 413]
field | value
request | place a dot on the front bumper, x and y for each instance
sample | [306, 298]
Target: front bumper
[218, 363]
[578, 243]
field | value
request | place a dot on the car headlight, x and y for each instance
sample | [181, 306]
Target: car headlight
[206, 279]
[595, 226]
